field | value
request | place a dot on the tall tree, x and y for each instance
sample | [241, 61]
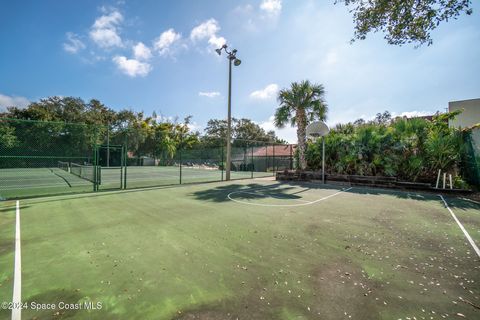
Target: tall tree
[244, 132]
[302, 103]
[404, 21]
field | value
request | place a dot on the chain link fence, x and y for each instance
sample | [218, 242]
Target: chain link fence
[471, 157]
[39, 158]
[35, 155]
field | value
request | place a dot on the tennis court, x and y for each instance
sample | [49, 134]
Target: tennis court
[27, 182]
[244, 249]
[53, 158]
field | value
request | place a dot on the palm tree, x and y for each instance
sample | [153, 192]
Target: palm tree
[301, 104]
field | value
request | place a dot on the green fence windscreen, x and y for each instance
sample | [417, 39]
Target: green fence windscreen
[471, 157]
[39, 158]
[35, 157]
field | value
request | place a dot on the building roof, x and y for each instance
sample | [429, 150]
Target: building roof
[466, 100]
[278, 151]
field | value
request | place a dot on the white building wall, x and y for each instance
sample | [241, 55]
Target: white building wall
[470, 115]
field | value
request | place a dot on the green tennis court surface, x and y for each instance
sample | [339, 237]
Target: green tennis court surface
[246, 249]
[27, 182]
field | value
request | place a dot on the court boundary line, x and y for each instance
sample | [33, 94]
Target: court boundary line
[283, 205]
[17, 276]
[469, 200]
[472, 243]
[107, 192]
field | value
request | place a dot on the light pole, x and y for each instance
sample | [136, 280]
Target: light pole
[231, 56]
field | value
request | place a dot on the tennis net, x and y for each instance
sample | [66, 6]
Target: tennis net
[65, 166]
[85, 172]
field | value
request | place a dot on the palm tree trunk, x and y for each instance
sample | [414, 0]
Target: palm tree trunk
[301, 132]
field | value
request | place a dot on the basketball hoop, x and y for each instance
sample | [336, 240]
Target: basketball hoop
[316, 130]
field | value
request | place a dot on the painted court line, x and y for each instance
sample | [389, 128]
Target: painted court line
[470, 200]
[472, 243]
[17, 277]
[229, 196]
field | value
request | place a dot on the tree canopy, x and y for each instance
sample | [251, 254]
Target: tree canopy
[70, 126]
[411, 149]
[404, 21]
[301, 104]
[244, 132]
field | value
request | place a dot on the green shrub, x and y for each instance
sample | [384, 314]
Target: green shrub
[410, 149]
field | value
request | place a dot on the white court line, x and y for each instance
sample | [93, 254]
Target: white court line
[470, 200]
[17, 277]
[284, 205]
[462, 228]
[39, 186]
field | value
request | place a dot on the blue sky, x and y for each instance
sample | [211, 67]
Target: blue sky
[158, 56]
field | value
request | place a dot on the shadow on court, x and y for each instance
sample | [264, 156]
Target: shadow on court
[278, 190]
[283, 190]
[219, 193]
[414, 195]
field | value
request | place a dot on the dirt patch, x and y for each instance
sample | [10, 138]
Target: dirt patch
[475, 196]
[206, 315]
[249, 306]
[343, 290]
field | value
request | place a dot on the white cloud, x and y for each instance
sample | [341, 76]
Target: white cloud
[205, 30]
[331, 58]
[165, 41]
[108, 21]
[211, 94]
[287, 133]
[141, 52]
[269, 92]
[12, 101]
[259, 18]
[217, 42]
[271, 7]
[208, 30]
[132, 67]
[193, 126]
[73, 44]
[413, 114]
[104, 31]
[162, 118]
[244, 9]
[352, 114]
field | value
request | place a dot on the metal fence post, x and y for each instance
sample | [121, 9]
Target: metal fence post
[253, 166]
[273, 161]
[291, 157]
[180, 153]
[121, 168]
[125, 155]
[108, 144]
[95, 173]
[266, 158]
[221, 161]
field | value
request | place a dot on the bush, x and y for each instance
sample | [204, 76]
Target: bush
[410, 149]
